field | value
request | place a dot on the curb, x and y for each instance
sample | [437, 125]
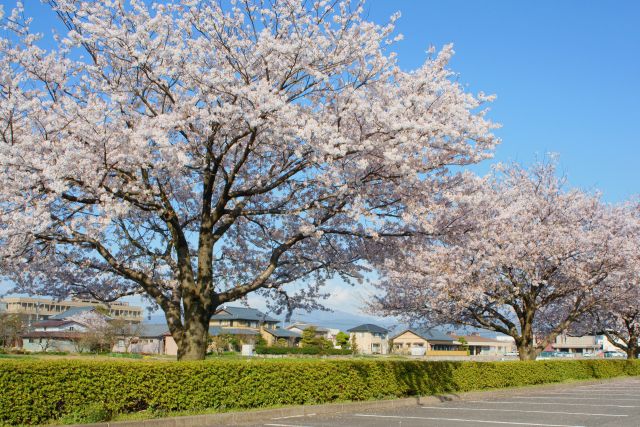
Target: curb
[266, 415]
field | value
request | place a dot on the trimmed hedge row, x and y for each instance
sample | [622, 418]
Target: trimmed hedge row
[33, 392]
[302, 350]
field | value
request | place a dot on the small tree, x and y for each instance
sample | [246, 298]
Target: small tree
[309, 338]
[464, 345]
[12, 327]
[342, 339]
[220, 343]
[354, 344]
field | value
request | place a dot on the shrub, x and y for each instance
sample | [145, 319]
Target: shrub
[91, 413]
[40, 391]
[302, 350]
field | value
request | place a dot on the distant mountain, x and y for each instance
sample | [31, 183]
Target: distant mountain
[341, 319]
[329, 319]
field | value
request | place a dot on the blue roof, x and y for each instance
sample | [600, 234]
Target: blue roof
[369, 327]
[429, 334]
[71, 312]
[242, 313]
[215, 331]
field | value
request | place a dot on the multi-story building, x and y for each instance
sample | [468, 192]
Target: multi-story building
[583, 344]
[242, 317]
[370, 339]
[35, 309]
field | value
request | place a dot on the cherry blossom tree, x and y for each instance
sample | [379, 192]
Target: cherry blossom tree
[617, 316]
[197, 151]
[619, 319]
[520, 256]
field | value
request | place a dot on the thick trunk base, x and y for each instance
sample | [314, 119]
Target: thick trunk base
[527, 353]
[194, 341]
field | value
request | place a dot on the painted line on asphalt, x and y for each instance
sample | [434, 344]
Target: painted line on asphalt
[286, 425]
[574, 398]
[590, 394]
[550, 403]
[462, 420]
[293, 416]
[462, 408]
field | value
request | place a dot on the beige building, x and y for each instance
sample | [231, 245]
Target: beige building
[584, 344]
[424, 341]
[370, 339]
[483, 346]
[274, 336]
[37, 309]
[242, 317]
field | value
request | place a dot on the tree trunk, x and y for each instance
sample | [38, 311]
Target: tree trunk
[632, 348]
[527, 353]
[526, 346]
[195, 336]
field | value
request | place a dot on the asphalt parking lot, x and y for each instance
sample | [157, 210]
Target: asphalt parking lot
[615, 403]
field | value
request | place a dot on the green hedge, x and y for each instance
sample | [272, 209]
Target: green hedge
[302, 350]
[38, 391]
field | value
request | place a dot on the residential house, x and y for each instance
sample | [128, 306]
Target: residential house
[425, 341]
[483, 346]
[321, 332]
[370, 339]
[54, 335]
[144, 339]
[582, 344]
[278, 335]
[64, 331]
[242, 323]
[242, 317]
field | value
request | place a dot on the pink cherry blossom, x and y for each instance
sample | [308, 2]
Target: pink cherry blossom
[195, 152]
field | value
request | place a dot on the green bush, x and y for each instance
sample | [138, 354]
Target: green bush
[311, 350]
[91, 413]
[39, 391]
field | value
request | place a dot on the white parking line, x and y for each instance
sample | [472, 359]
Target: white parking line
[293, 416]
[462, 408]
[463, 420]
[550, 403]
[590, 394]
[286, 425]
[574, 398]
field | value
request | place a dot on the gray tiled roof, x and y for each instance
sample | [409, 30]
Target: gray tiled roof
[429, 334]
[152, 330]
[368, 327]
[71, 312]
[242, 313]
[283, 333]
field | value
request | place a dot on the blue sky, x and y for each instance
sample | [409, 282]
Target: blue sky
[566, 73]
